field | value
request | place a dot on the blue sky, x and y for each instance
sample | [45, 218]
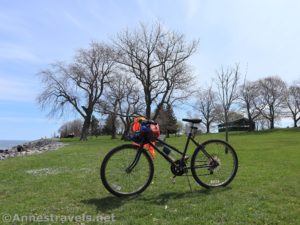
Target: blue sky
[263, 36]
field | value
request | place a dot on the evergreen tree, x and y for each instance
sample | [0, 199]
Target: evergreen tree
[167, 120]
[95, 127]
[172, 120]
[110, 126]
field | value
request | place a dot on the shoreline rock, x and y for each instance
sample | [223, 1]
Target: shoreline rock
[30, 148]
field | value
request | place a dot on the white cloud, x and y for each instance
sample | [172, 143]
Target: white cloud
[15, 52]
[76, 22]
[146, 9]
[12, 23]
[25, 119]
[192, 9]
[261, 34]
[17, 90]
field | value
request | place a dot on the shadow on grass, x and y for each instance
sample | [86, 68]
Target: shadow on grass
[163, 198]
[107, 203]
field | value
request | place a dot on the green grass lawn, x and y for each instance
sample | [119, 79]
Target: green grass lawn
[66, 182]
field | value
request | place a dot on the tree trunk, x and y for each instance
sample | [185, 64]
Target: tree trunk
[148, 104]
[295, 121]
[226, 126]
[126, 132]
[207, 128]
[251, 124]
[272, 123]
[148, 111]
[157, 111]
[114, 120]
[113, 127]
[86, 127]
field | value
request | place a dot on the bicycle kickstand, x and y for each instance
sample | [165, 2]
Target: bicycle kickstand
[189, 182]
[173, 179]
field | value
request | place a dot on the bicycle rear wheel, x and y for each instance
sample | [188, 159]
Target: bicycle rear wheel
[214, 163]
[121, 176]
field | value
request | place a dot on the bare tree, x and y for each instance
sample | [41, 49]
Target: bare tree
[248, 94]
[108, 105]
[262, 123]
[71, 128]
[270, 103]
[206, 100]
[293, 102]
[157, 58]
[218, 114]
[130, 103]
[122, 99]
[232, 116]
[227, 83]
[77, 85]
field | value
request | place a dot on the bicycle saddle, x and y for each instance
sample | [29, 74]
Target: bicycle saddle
[192, 120]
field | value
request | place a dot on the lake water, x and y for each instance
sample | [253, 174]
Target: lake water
[6, 144]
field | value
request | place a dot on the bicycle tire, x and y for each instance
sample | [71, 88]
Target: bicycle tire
[144, 159]
[213, 175]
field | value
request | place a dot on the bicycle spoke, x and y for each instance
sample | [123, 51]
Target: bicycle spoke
[215, 163]
[117, 176]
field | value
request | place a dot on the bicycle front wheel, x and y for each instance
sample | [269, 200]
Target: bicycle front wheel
[126, 170]
[214, 163]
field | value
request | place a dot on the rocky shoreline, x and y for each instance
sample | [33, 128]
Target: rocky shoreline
[30, 148]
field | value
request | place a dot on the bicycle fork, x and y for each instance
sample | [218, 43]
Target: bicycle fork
[135, 161]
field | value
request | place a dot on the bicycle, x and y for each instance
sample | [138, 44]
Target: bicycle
[128, 169]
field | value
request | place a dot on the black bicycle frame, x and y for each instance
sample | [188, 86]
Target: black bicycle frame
[146, 141]
[189, 138]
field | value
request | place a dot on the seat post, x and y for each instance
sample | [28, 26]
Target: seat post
[188, 139]
[191, 129]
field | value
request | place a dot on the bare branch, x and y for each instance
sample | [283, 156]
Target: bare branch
[79, 85]
[157, 58]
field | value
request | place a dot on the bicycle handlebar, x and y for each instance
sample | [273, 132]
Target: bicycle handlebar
[146, 122]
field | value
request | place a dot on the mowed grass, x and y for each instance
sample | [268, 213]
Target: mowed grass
[66, 182]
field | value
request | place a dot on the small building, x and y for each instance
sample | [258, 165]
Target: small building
[242, 124]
